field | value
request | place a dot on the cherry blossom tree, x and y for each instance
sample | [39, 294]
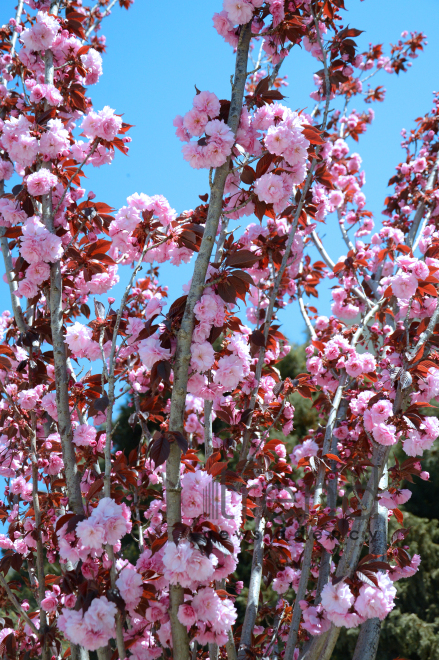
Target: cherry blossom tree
[207, 480]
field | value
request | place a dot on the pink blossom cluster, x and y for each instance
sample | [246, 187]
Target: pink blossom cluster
[127, 219]
[343, 609]
[92, 62]
[240, 12]
[338, 349]
[213, 616]
[103, 124]
[42, 91]
[38, 247]
[107, 524]
[41, 182]
[42, 33]
[215, 147]
[411, 271]
[92, 629]
[315, 620]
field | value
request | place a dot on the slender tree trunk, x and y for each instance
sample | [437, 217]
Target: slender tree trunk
[59, 348]
[369, 637]
[255, 584]
[183, 355]
[306, 561]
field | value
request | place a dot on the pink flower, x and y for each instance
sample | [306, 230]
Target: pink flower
[336, 198]
[104, 124]
[175, 559]
[269, 187]
[38, 272]
[203, 356]
[50, 602]
[115, 528]
[194, 155]
[42, 33]
[230, 371]
[280, 450]
[153, 307]
[412, 445]
[393, 500]
[99, 623]
[315, 620]
[195, 122]
[102, 282]
[6, 170]
[369, 363]
[78, 336]
[56, 464]
[322, 322]
[381, 411]
[84, 435]
[5, 632]
[384, 434]
[277, 10]
[206, 604]
[130, 585]
[199, 567]
[41, 182]
[306, 448]
[206, 309]
[38, 244]
[404, 285]
[191, 503]
[315, 365]
[337, 598]
[92, 62]
[208, 103]
[396, 573]
[219, 132]
[354, 365]
[18, 486]
[150, 351]
[55, 140]
[70, 623]
[376, 601]
[224, 27]
[28, 399]
[238, 11]
[420, 270]
[278, 139]
[48, 403]
[419, 165]
[186, 615]
[38, 92]
[90, 533]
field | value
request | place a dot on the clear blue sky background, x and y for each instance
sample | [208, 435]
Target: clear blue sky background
[158, 51]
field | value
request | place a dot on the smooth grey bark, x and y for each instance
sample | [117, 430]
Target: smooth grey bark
[59, 348]
[322, 647]
[255, 584]
[307, 554]
[208, 451]
[180, 640]
[421, 208]
[369, 637]
[40, 549]
[104, 653]
[208, 433]
[325, 562]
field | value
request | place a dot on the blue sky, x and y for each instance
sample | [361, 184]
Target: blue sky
[157, 52]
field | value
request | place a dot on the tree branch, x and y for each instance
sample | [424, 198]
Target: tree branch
[183, 355]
